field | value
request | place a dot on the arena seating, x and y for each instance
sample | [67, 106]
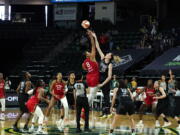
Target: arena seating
[19, 31]
[127, 40]
[41, 41]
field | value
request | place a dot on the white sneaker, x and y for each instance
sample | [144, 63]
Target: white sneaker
[140, 124]
[178, 128]
[60, 124]
[31, 129]
[156, 131]
[60, 128]
[166, 124]
[40, 131]
[157, 124]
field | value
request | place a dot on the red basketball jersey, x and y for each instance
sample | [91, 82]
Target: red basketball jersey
[59, 89]
[92, 76]
[33, 101]
[91, 66]
[149, 96]
[2, 84]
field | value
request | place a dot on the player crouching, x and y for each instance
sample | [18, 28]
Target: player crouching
[33, 107]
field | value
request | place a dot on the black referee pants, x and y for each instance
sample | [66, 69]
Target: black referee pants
[82, 102]
[106, 94]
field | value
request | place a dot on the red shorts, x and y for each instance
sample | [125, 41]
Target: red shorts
[92, 80]
[2, 96]
[148, 102]
[31, 106]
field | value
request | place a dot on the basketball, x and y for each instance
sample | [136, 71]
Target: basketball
[85, 24]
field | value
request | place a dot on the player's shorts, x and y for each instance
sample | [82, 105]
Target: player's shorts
[176, 107]
[31, 106]
[106, 88]
[124, 108]
[162, 106]
[22, 99]
[149, 102]
[92, 80]
[70, 99]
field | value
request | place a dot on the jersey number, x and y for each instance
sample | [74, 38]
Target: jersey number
[88, 64]
[78, 86]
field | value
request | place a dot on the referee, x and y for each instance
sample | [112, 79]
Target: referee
[81, 101]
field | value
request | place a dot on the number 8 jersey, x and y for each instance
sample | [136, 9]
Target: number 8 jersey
[92, 76]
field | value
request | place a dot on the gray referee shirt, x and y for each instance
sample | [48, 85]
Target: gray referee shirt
[80, 89]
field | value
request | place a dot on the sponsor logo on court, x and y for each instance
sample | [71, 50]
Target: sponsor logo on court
[10, 115]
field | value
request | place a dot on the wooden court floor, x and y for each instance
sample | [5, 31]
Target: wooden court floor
[97, 125]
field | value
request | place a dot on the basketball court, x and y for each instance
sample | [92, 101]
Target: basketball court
[97, 125]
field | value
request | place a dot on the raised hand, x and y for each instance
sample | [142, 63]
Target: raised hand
[89, 33]
[94, 35]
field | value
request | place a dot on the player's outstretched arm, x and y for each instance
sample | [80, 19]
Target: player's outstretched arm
[98, 47]
[93, 47]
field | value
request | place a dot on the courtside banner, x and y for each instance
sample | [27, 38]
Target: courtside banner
[129, 58]
[169, 60]
[11, 99]
[64, 13]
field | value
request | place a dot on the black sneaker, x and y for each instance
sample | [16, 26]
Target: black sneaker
[78, 130]
[87, 130]
[15, 128]
[26, 128]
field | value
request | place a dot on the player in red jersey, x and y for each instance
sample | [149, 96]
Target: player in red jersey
[148, 101]
[2, 96]
[91, 65]
[32, 105]
[58, 93]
